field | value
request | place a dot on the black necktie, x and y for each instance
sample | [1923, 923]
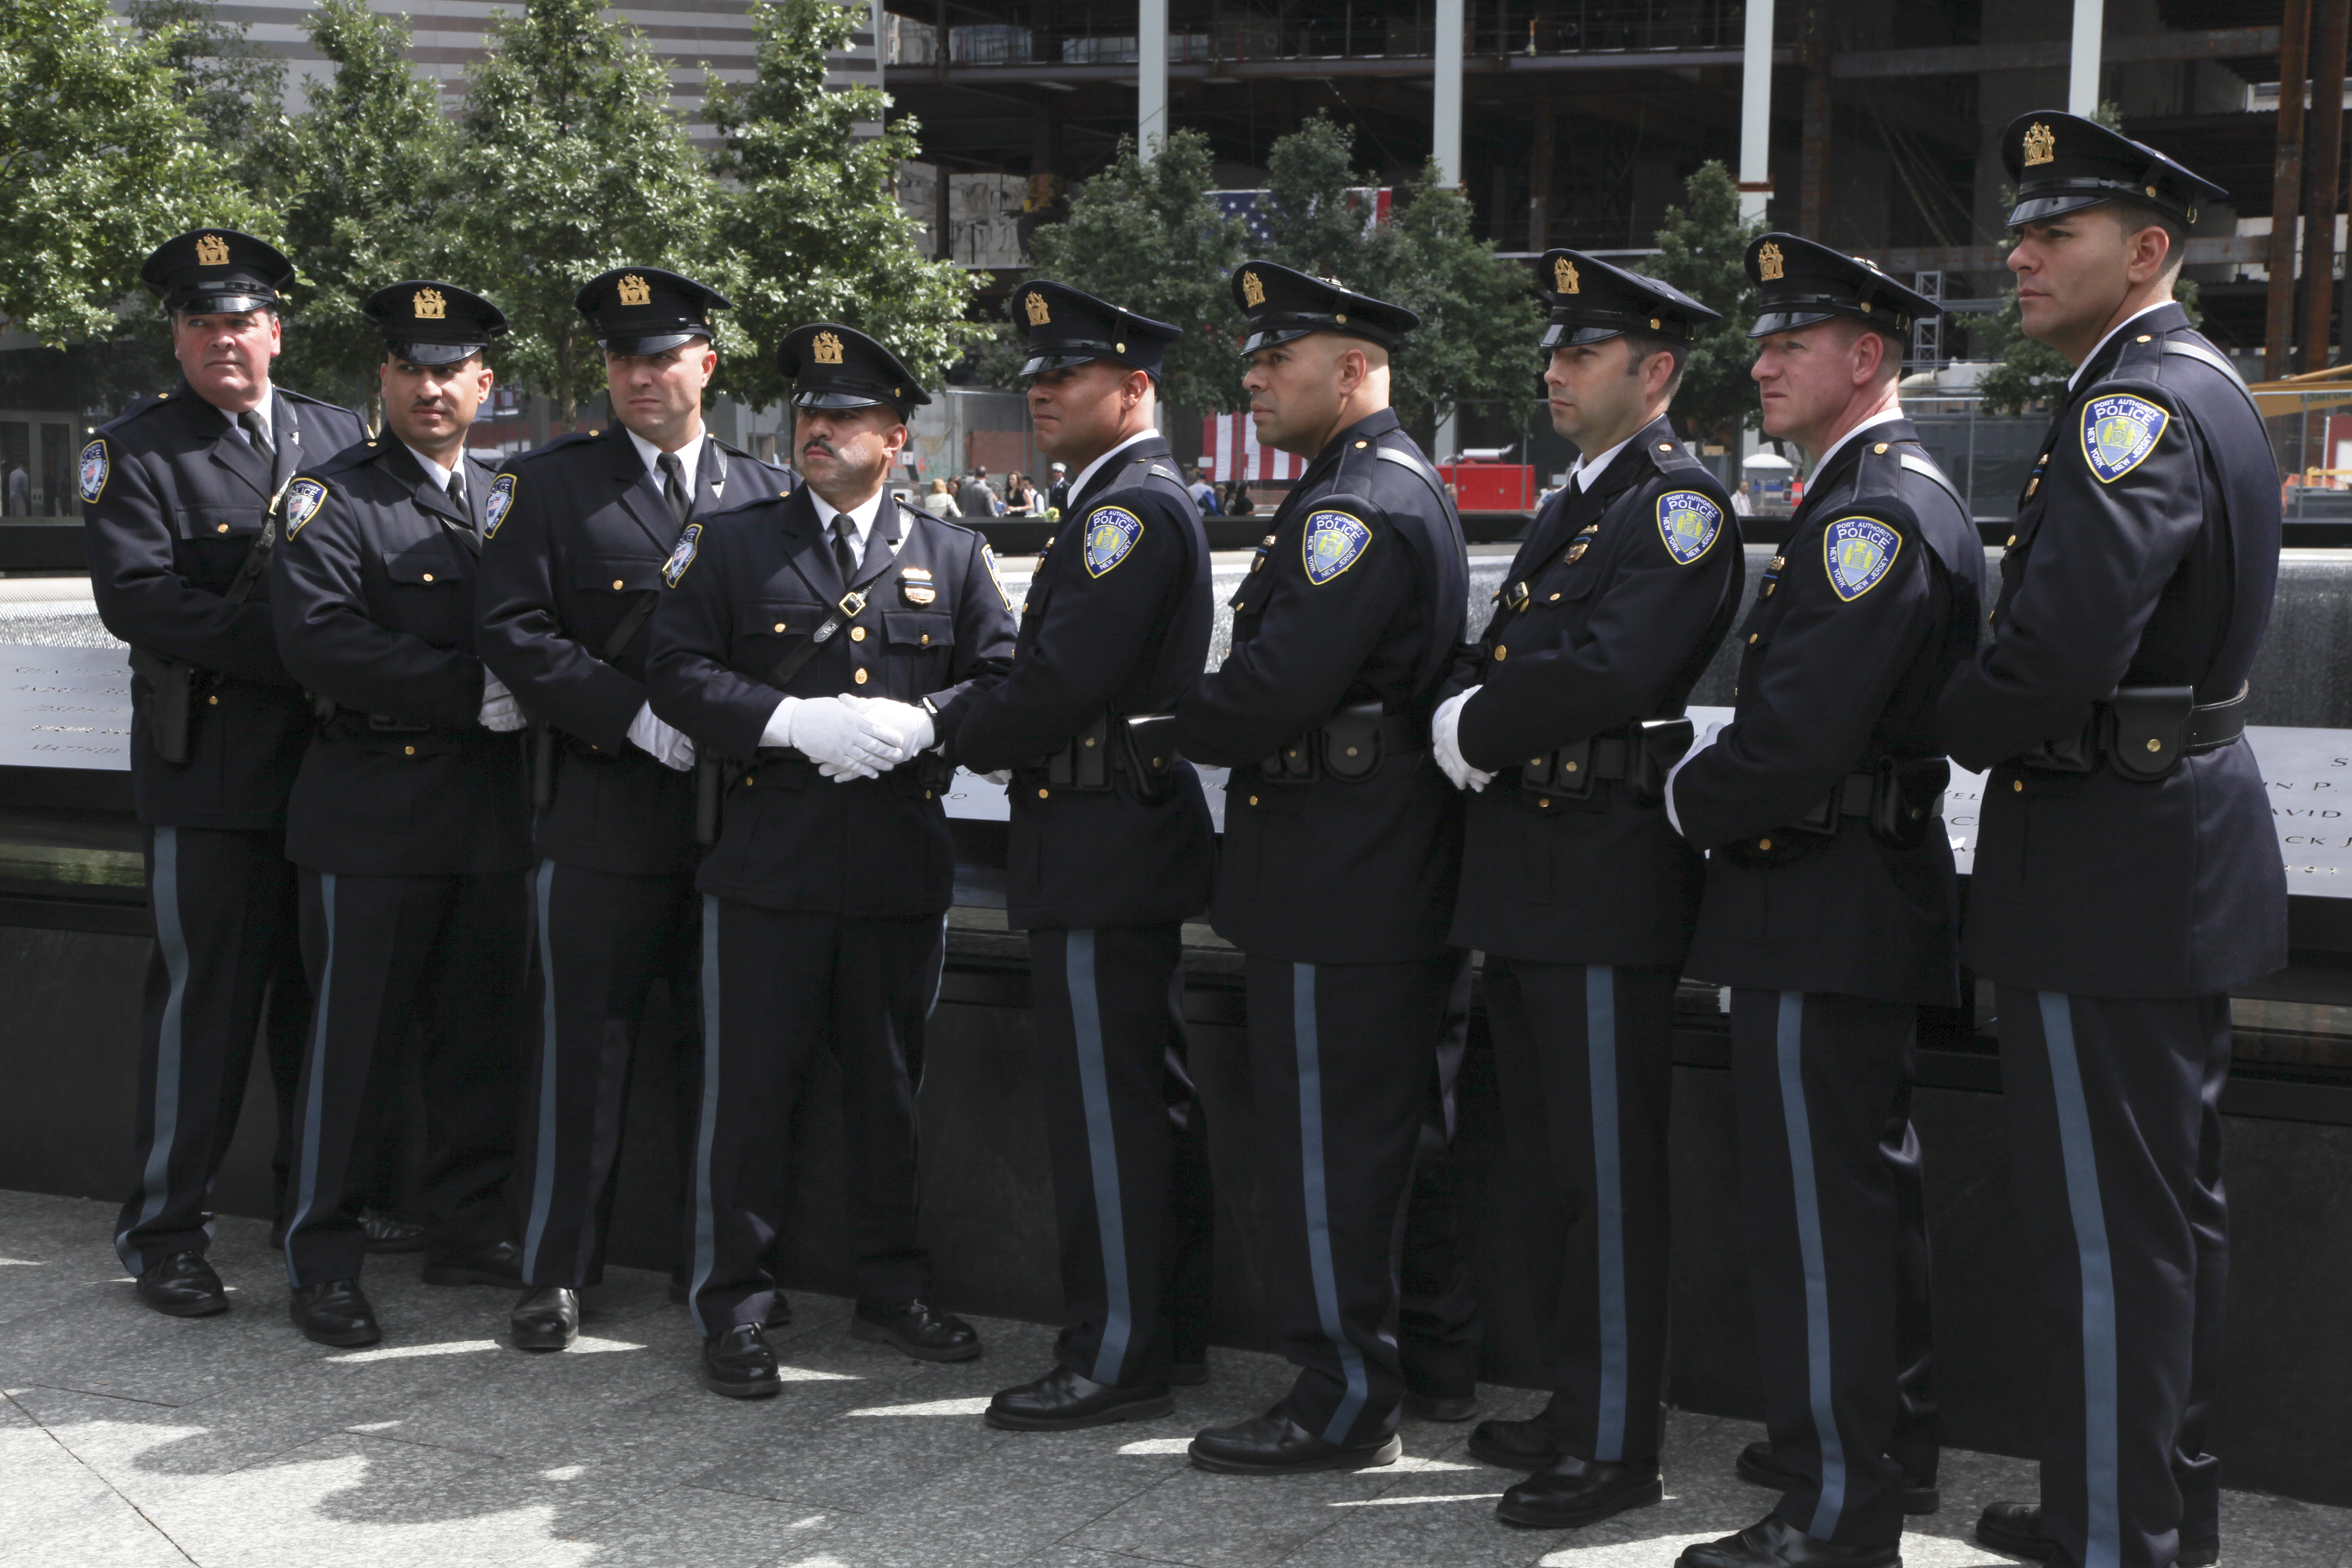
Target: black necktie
[257, 432]
[457, 487]
[844, 547]
[673, 487]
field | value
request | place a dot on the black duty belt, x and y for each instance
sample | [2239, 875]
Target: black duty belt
[1901, 800]
[2144, 732]
[1140, 745]
[1348, 745]
[1639, 757]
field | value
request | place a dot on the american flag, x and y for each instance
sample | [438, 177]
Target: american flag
[1229, 445]
[1250, 207]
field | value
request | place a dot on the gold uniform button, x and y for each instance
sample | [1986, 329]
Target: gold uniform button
[1501, 652]
[1880, 448]
[214, 700]
[2016, 784]
[2144, 337]
[1543, 803]
[1042, 794]
[408, 751]
[1665, 445]
[428, 576]
[1555, 598]
[857, 634]
[1253, 800]
[859, 677]
[2012, 540]
[1764, 843]
[1361, 444]
[1568, 767]
[616, 584]
[224, 528]
[1351, 750]
[780, 625]
[927, 639]
[2153, 744]
[1753, 636]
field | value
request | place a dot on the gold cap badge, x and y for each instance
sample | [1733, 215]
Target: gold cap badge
[636, 291]
[430, 306]
[2041, 146]
[1253, 291]
[1563, 272]
[825, 349]
[1767, 263]
[1039, 315]
[212, 250]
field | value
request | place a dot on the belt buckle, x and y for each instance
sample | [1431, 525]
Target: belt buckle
[851, 604]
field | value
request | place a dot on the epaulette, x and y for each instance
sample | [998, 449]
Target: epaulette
[1674, 457]
[569, 438]
[292, 396]
[145, 405]
[357, 455]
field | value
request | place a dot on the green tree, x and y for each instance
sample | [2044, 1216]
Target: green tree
[570, 163]
[808, 214]
[1702, 250]
[232, 87]
[100, 164]
[1478, 319]
[368, 176]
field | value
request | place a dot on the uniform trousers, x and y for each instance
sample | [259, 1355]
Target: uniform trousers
[2116, 1139]
[447, 954]
[1130, 1156]
[1340, 1065]
[604, 940]
[226, 969]
[1585, 1056]
[1816, 1077]
[1441, 1331]
[777, 985]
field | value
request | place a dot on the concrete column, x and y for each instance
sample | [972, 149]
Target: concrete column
[1756, 112]
[1151, 76]
[1445, 136]
[2083, 65]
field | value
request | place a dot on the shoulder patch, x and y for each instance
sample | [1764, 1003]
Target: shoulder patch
[2118, 433]
[96, 466]
[497, 504]
[303, 499]
[1334, 540]
[988, 559]
[1688, 521]
[1112, 534]
[1859, 551]
[681, 555]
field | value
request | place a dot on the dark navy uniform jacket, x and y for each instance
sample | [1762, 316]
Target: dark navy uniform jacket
[1871, 602]
[373, 592]
[1117, 622]
[1360, 597]
[750, 587]
[1630, 587]
[173, 497]
[579, 534]
[2145, 553]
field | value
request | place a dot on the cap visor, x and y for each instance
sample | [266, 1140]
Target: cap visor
[225, 303]
[2042, 209]
[434, 353]
[1560, 336]
[1771, 322]
[844, 400]
[660, 342]
[1040, 363]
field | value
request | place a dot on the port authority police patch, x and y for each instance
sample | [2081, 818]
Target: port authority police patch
[1859, 551]
[95, 468]
[497, 504]
[681, 555]
[303, 499]
[2119, 432]
[1112, 534]
[1688, 522]
[1333, 541]
[988, 557]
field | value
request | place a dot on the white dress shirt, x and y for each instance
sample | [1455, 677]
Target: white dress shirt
[1586, 472]
[1088, 472]
[689, 459]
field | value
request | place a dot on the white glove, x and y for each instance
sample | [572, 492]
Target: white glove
[1445, 731]
[500, 711]
[1707, 738]
[668, 747]
[914, 726]
[829, 730]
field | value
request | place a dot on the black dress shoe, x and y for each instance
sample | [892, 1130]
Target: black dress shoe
[739, 1363]
[780, 1311]
[1061, 1401]
[1571, 1491]
[547, 1319]
[183, 1286]
[492, 1263]
[2016, 1528]
[917, 1328]
[1437, 1407]
[334, 1313]
[386, 1232]
[1773, 1543]
[1515, 1444]
[1759, 1465]
[1275, 1445]
[1189, 1374]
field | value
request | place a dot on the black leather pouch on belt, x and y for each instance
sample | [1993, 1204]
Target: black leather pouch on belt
[1148, 747]
[1905, 799]
[171, 703]
[2146, 729]
[1351, 741]
[1082, 763]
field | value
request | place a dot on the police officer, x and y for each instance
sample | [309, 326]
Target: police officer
[2127, 874]
[577, 535]
[828, 643]
[408, 817]
[1562, 721]
[1109, 854]
[1342, 846]
[1828, 903]
[175, 494]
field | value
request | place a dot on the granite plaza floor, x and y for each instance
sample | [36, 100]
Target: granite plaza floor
[129, 1439]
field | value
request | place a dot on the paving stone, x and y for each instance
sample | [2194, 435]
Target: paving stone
[684, 1528]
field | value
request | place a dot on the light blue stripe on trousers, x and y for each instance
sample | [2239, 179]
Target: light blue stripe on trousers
[1799, 1121]
[1318, 1212]
[542, 1176]
[2102, 1411]
[706, 1220]
[1102, 1149]
[156, 1180]
[1608, 1207]
[306, 1190]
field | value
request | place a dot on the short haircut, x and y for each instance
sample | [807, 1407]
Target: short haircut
[1890, 363]
[2135, 216]
[1640, 346]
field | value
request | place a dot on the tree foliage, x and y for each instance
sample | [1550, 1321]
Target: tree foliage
[1702, 250]
[230, 86]
[808, 217]
[570, 163]
[99, 162]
